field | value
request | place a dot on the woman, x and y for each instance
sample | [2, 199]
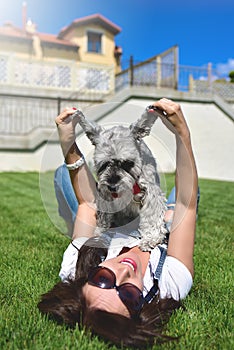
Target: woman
[114, 289]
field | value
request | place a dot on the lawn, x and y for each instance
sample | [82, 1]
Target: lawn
[31, 253]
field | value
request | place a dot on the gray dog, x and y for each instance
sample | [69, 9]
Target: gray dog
[128, 188]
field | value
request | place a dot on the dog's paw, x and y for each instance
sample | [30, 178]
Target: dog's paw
[151, 239]
[98, 231]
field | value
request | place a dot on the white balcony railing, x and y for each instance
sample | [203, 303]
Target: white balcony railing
[61, 75]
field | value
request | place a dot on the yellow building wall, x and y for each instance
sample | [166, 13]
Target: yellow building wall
[27, 51]
[19, 48]
[51, 53]
[79, 37]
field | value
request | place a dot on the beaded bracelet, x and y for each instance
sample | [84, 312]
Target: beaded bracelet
[77, 164]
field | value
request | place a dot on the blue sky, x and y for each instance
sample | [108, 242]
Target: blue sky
[203, 29]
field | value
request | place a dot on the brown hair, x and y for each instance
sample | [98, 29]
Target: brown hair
[66, 304]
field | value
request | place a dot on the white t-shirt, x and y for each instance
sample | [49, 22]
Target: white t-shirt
[175, 281]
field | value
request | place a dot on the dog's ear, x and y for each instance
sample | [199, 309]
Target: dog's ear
[143, 125]
[91, 129]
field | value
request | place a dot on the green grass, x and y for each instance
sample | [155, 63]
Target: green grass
[31, 253]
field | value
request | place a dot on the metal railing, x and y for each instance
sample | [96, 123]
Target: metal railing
[160, 71]
[20, 115]
[163, 71]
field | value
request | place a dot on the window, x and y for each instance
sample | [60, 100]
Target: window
[94, 42]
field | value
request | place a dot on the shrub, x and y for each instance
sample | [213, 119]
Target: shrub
[231, 76]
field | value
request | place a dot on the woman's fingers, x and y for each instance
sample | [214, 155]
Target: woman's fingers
[67, 112]
[173, 116]
[167, 106]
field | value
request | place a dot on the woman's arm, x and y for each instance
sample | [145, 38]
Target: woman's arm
[181, 240]
[82, 180]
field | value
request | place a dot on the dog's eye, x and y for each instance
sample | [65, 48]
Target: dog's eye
[127, 165]
[103, 167]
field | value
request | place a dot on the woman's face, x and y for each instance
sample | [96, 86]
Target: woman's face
[127, 268]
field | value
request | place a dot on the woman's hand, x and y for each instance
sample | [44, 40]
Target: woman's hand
[66, 124]
[172, 116]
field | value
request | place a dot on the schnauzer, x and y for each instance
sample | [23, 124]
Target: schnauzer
[128, 182]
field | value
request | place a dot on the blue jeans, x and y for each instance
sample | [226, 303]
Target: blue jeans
[67, 201]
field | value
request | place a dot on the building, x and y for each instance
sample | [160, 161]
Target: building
[82, 57]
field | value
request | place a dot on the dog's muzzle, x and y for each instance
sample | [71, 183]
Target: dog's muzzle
[136, 190]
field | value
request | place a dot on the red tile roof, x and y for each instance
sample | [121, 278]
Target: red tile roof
[13, 32]
[50, 38]
[10, 31]
[92, 19]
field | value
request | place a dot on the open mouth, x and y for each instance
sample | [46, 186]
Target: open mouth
[113, 190]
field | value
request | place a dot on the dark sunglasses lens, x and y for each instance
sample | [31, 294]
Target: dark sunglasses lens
[131, 296]
[102, 277]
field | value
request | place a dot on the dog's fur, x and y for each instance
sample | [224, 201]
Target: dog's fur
[128, 181]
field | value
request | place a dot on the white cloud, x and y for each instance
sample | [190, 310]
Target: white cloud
[225, 68]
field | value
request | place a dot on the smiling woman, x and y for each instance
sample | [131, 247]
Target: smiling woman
[108, 298]
[108, 284]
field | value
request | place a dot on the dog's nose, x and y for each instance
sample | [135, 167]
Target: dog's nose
[113, 180]
[112, 188]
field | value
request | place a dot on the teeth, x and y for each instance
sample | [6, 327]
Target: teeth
[127, 263]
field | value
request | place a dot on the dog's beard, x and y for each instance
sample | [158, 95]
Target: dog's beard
[114, 197]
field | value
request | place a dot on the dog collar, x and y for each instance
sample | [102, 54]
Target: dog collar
[136, 189]
[138, 194]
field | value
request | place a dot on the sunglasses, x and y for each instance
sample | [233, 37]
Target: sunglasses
[130, 295]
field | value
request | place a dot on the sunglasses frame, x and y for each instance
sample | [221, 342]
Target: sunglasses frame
[91, 275]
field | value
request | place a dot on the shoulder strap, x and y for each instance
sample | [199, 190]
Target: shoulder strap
[163, 255]
[154, 290]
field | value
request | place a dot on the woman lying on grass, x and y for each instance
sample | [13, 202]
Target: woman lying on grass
[109, 285]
